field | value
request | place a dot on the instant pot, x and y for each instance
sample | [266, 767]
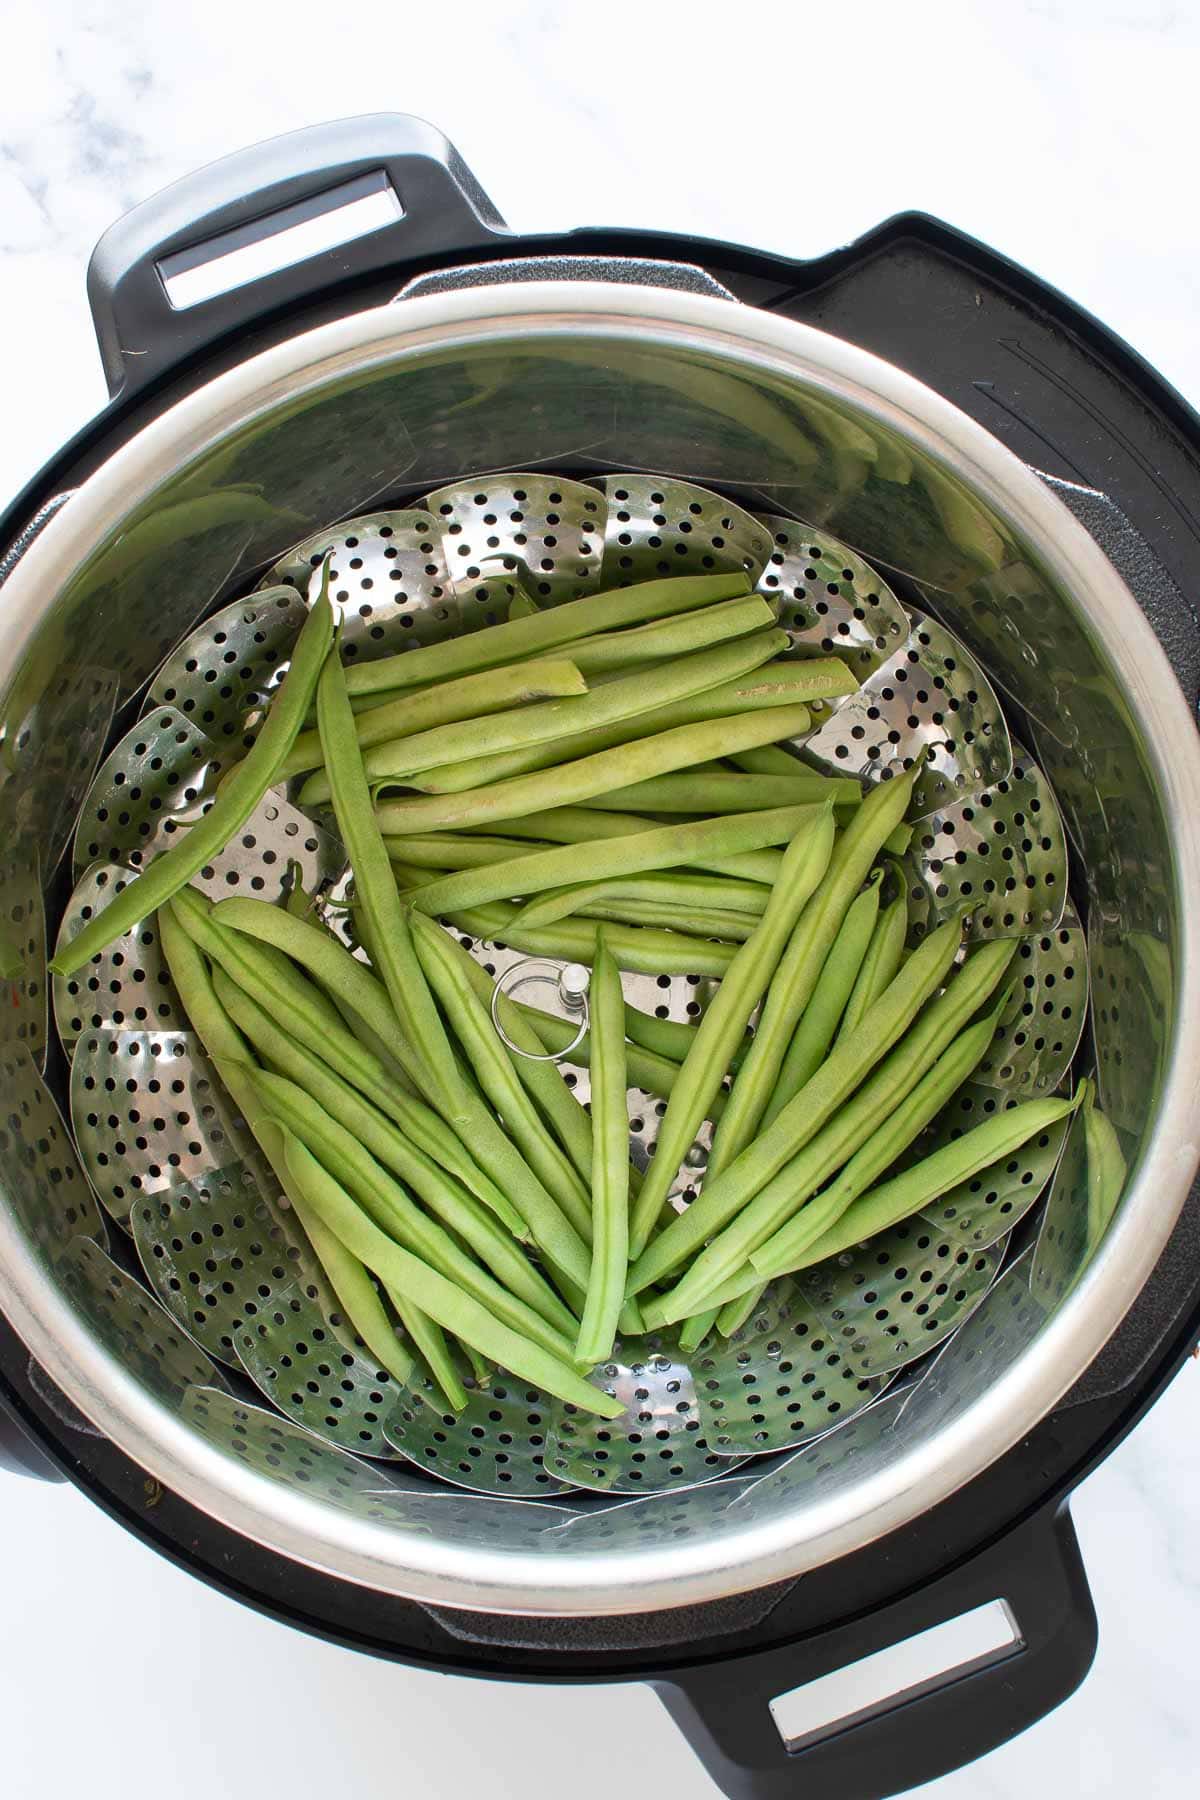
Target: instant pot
[1010, 465]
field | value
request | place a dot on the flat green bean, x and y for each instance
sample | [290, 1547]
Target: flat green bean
[1106, 1169]
[336, 969]
[648, 1070]
[879, 965]
[430, 1341]
[301, 1009]
[672, 1038]
[923, 1183]
[473, 697]
[557, 722]
[591, 775]
[695, 1329]
[724, 927]
[842, 1072]
[355, 1291]
[222, 1040]
[768, 759]
[721, 702]
[610, 1169]
[819, 1020]
[723, 1025]
[240, 794]
[546, 631]
[492, 1067]
[642, 951]
[661, 848]
[407, 1276]
[862, 1150]
[776, 684]
[727, 792]
[733, 1315]
[610, 652]
[392, 1209]
[697, 892]
[566, 1118]
[379, 1136]
[457, 850]
[802, 961]
[584, 825]
[393, 955]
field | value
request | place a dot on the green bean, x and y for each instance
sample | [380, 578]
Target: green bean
[558, 722]
[722, 927]
[546, 1088]
[457, 1209]
[582, 780]
[356, 1293]
[222, 1040]
[547, 631]
[455, 850]
[899, 839]
[430, 1341]
[775, 685]
[653, 1073]
[878, 967]
[1106, 1168]
[839, 1076]
[493, 1069]
[332, 965]
[923, 1183]
[662, 848]
[802, 961]
[393, 955]
[861, 1151]
[522, 606]
[240, 794]
[733, 1315]
[769, 759]
[405, 1275]
[704, 893]
[610, 1177]
[727, 792]
[389, 1205]
[610, 652]
[694, 1330]
[819, 1020]
[672, 1038]
[643, 951]
[481, 1369]
[490, 691]
[294, 1003]
[751, 695]
[266, 972]
[723, 1026]
[583, 825]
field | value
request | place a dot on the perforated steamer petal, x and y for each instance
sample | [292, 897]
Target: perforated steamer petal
[172, 1163]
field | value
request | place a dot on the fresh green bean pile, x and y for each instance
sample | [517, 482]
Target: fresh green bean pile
[604, 781]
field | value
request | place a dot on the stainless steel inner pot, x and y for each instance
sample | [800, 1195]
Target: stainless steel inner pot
[584, 377]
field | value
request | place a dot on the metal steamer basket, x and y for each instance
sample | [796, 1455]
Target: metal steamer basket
[450, 416]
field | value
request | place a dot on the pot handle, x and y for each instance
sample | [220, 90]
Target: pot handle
[342, 200]
[1007, 1637]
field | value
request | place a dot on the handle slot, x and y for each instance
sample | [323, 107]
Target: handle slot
[891, 1677]
[290, 236]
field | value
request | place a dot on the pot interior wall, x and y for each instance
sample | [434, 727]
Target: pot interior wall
[581, 406]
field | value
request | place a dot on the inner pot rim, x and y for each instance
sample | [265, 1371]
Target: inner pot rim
[581, 1584]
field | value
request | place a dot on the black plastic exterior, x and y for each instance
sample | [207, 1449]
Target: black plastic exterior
[241, 199]
[724, 1713]
[1065, 395]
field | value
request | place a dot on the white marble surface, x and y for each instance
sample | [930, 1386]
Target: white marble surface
[1062, 131]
